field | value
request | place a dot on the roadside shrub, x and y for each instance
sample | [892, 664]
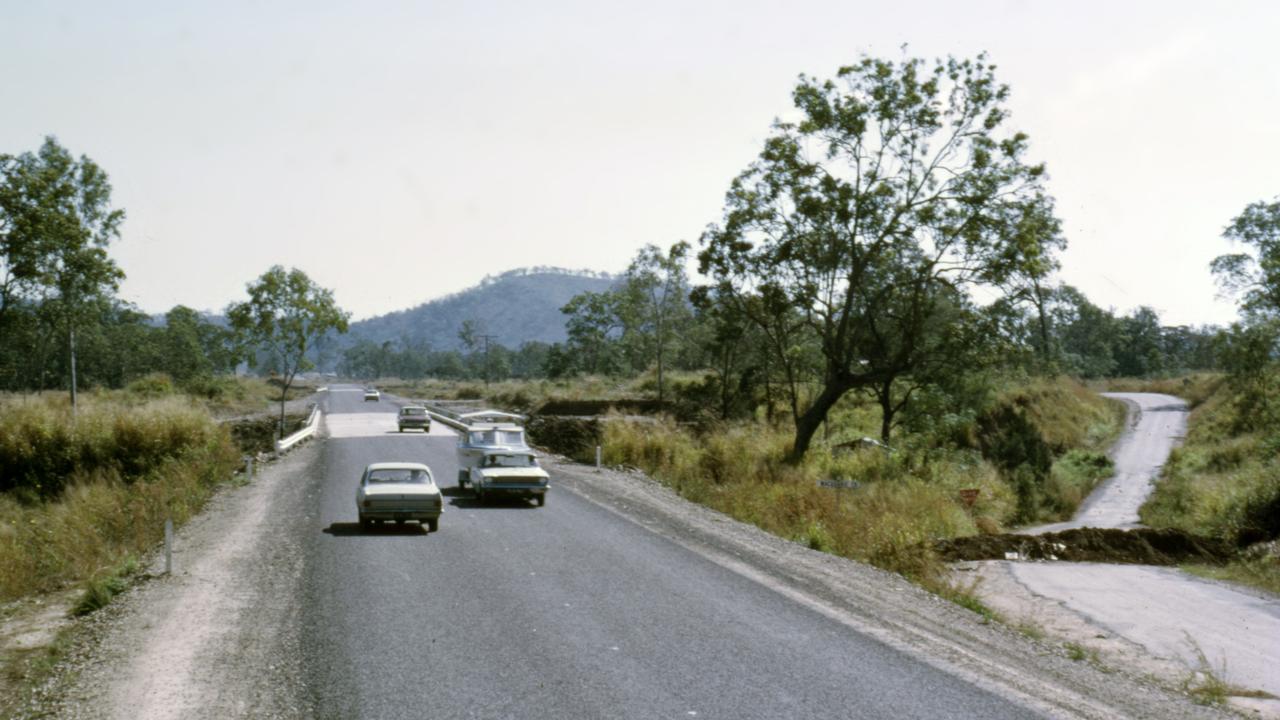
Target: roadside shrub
[152, 385]
[1071, 479]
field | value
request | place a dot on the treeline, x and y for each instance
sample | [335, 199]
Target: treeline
[58, 284]
[63, 326]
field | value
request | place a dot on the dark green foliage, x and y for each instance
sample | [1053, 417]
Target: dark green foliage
[286, 314]
[898, 188]
[1014, 444]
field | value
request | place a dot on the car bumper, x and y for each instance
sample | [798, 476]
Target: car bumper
[415, 425]
[522, 489]
[400, 514]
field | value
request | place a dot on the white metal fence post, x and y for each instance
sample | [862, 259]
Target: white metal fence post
[168, 546]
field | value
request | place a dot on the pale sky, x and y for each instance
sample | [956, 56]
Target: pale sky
[397, 152]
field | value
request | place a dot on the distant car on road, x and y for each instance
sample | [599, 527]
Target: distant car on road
[414, 416]
[372, 394]
[510, 472]
[399, 491]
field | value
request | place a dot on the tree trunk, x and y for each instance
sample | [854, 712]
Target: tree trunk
[808, 423]
[71, 332]
[885, 395]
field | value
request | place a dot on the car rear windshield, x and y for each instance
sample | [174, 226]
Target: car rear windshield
[413, 411]
[398, 475]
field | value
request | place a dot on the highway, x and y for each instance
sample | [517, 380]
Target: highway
[566, 611]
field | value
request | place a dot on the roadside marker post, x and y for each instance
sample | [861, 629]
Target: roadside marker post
[168, 546]
[248, 467]
[597, 458]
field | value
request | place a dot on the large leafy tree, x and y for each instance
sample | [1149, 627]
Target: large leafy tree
[895, 184]
[56, 222]
[653, 302]
[1253, 276]
[285, 314]
[1251, 348]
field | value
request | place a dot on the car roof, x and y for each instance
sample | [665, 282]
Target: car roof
[494, 426]
[413, 407]
[396, 466]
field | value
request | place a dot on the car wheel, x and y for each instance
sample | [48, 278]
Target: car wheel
[365, 523]
[433, 524]
[462, 478]
[540, 500]
[401, 429]
[399, 521]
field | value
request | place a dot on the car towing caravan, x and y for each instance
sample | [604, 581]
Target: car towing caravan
[487, 430]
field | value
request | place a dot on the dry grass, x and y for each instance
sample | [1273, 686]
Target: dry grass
[122, 469]
[889, 521]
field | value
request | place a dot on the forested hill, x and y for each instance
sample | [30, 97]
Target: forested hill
[513, 308]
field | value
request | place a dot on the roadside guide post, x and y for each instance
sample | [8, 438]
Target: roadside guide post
[168, 546]
[248, 468]
[597, 458]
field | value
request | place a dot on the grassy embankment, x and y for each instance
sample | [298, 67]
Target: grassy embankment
[82, 498]
[1224, 481]
[1032, 453]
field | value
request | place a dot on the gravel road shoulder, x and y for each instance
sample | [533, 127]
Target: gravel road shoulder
[217, 638]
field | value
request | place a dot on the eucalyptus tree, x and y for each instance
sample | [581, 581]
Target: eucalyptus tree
[1253, 276]
[1250, 349]
[895, 183]
[654, 305]
[285, 314]
[56, 222]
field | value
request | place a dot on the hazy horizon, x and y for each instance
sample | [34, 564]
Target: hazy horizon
[399, 152]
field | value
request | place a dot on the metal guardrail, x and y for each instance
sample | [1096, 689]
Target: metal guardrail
[309, 429]
[442, 413]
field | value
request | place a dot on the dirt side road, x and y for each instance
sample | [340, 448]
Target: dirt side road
[1159, 621]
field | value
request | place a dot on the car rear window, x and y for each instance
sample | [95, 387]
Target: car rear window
[413, 411]
[398, 475]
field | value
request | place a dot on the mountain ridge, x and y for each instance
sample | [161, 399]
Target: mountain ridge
[513, 307]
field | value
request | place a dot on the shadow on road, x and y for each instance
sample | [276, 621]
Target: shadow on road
[466, 499]
[351, 529]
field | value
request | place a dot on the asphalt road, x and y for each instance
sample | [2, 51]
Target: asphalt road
[566, 611]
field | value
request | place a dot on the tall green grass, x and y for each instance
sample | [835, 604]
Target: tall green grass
[902, 503]
[85, 493]
[1221, 482]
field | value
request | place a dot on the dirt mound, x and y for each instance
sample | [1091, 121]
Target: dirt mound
[574, 437]
[1142, 546]
[257, 434]
[632, 406]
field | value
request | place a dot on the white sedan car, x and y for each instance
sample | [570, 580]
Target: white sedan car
[372, 394]
[399, 491]
[509, 472]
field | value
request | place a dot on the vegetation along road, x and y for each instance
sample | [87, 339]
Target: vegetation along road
[617, 599]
